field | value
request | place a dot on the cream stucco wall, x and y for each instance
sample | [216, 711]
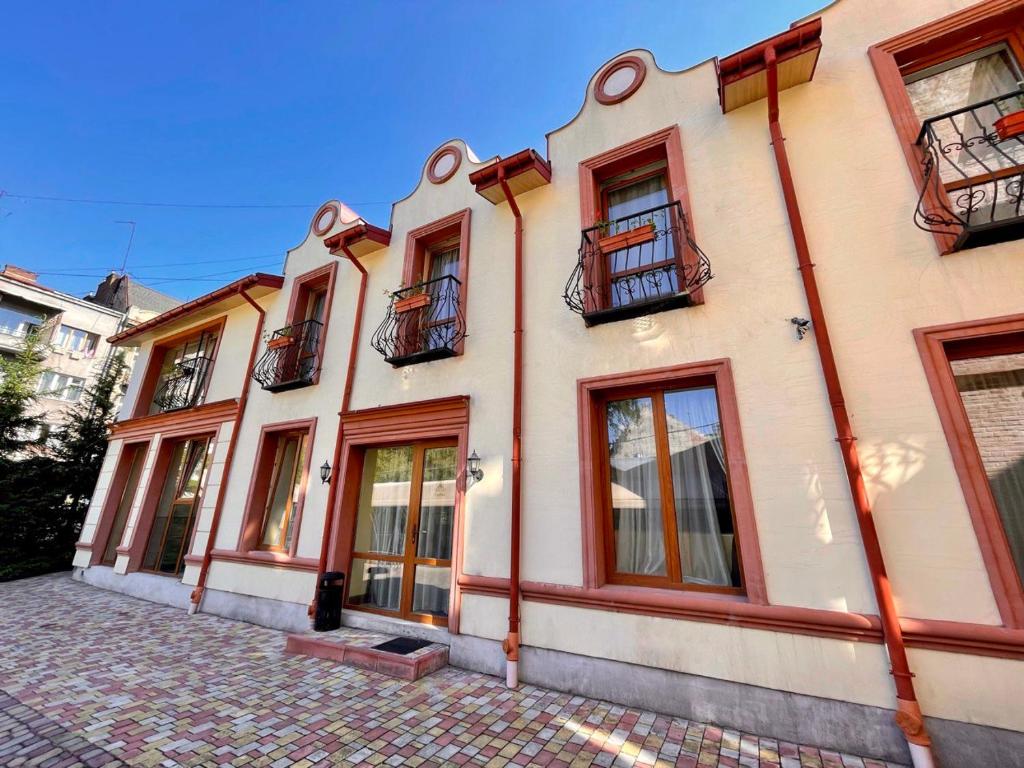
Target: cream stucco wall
[880, 277]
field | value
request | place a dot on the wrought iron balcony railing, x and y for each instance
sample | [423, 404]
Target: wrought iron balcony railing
[424, 322]
[186, 386]
[973, 177]
[639, 264]
[292, 357]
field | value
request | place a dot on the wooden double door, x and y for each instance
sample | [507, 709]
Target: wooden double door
[401, 561]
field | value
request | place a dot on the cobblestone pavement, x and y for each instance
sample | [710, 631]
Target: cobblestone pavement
[93, 678]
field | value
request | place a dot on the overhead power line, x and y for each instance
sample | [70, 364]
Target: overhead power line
[152, 204]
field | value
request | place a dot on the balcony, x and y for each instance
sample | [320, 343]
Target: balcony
[637, 265]
[292, 358]
[424, 322]
[185, 387]
[973, 176]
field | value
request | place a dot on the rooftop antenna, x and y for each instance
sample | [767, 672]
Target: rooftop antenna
[131, 237]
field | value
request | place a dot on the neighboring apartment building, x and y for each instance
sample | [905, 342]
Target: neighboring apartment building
[75, 331]
[723, 421]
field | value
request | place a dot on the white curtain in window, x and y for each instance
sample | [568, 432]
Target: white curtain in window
[699, 485]
[635, 490]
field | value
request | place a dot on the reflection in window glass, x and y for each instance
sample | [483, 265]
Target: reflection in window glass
[704, 525]
[635, 489]
[384, 501]
[992, 392]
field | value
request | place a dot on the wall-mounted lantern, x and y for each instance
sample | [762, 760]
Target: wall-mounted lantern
[473, 467]
[325, 473]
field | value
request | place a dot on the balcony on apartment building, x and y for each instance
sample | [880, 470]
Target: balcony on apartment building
[292, 357]
[636, 265]
[973, 163]
[184, 385]
[424, 322]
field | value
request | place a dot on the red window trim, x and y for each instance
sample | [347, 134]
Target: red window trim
[635, 154]
[155, 362]
[112, 501]
[135, 549]
[590, 394]
[303, 285]
[442, 418]
[418, 243]
[988, 526]
[259, 488]
[968, 30]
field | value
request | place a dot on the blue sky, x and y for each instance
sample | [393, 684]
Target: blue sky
[287, 104]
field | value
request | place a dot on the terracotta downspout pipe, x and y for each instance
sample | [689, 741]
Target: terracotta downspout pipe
[908, 715]
[346, 397]
[243, 399]
[511, 644]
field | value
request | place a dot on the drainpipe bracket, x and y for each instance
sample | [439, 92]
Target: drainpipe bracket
[510, 645]
[909, 719]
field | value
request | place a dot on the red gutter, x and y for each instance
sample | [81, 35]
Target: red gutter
[346, 397]
[908, 716]
[511, 644]
[204, 569]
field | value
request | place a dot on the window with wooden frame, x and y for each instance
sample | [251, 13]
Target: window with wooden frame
[666, 499]
[953, 89]
[637, 252]
[976, 374]
[179, 369]
[295, 353]
[278, 491]
[120, 498]
[426, 320]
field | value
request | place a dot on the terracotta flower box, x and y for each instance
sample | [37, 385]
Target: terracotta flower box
[280, 341]
[1010, 125]
[622, 240]
[410, 303]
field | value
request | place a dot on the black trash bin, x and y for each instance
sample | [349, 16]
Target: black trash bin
[328, 601]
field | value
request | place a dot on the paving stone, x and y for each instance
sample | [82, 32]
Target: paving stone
[104, 680]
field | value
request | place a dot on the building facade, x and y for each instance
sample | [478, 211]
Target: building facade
[74, 330]
[714, 407]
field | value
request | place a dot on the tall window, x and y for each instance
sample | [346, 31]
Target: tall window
[285, 491]
[136, 458]
[991, 388]
[639, 270]
[668, 512]
[441, 281]
[61, 386]
[184, 373]
[76, 340]
[178, 506]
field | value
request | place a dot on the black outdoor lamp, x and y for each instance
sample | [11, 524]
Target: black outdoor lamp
[473, 467]
[325, 473]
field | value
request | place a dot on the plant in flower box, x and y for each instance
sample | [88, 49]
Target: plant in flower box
[643, 232]
[412, 301]
[282, 339]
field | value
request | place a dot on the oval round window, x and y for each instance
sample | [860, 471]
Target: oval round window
[444, 165]
[620, 80]
[325, 219]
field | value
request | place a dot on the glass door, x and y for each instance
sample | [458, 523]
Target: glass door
[401, 555]
[178, 507]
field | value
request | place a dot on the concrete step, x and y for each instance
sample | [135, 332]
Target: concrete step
[355, 648]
